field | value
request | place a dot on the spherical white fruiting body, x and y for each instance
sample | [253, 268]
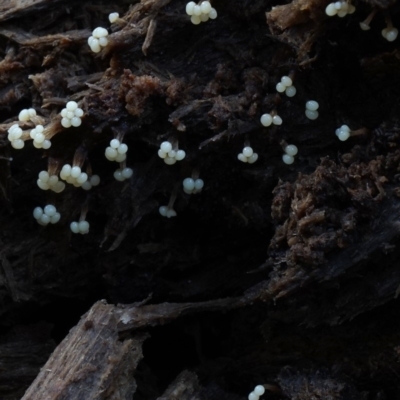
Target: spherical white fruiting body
[390, 33]
[291, 150]
[113, 17]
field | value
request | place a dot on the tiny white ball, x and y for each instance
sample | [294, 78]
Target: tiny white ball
[113, 17]
[161, 154]
[37, 212]
[118, 175]
[74, 227]
[44, 176]
[55, 218]
[44, 219]
[171, 213]
[66, 122]
[46, 144]
[259, 390]
[312, 114]
[205, 7]
[75, 121]
[127, 173]
[290, 91]
[253, 396]
[241, 157]
[312, 105]
[198, 184]
[286, 81]
[95, 180]
[190, 7]
[83, 227]
[71, 106]
[23, 115]
[288, 159]
[50, 210]
[253, 158]
[277, 120]
[111, 153]
[169, 160]
[280, 87]
[266, 120]
[343, 135]
[163, 210]
[120, 158]
[103, 41]
[188, 184]
[18, 144]
[180, 155]
[213, 13]
[166, 147]
[197, 10]
[195, 19]
[391, 34]
[75, 172]
[331, 10]
[122, 149]
[291, 150]
[171, 154]
[247, 151]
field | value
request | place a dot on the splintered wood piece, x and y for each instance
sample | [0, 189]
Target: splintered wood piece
[91, 362]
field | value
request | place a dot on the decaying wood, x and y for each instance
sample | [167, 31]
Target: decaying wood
[90, 363]
[285, 275]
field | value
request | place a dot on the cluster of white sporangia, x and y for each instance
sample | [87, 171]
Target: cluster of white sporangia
[247, 155]
[290, 151]
[258, 391]
[39, 138]
[73, 175]
[50, 182]
[169, 154]
[270, 119]
[48, 215]
[339, 8]
[123, 173]
[311, 109]
[116, 151]
[71, 115]
[192, 186]
[200, 12]
[286, 85]
[98, 39]
[81, 227]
